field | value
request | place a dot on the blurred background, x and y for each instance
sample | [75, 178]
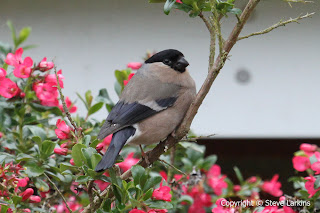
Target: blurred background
[267, 92]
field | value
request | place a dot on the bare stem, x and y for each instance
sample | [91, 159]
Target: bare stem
[65, 108]
[275, 26]
[175, 168]
[63, 198]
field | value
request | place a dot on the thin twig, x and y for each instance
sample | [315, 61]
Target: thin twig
[279, 24]
[65, 108]
[172, 166]
[172, 156]
[90, 188]
[54, 185]
[206, 22]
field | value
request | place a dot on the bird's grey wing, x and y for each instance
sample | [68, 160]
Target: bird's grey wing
[141, 98]
[127, 114]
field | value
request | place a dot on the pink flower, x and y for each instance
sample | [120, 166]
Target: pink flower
[14, 59]
[3, 73]
[34, 199]
[310, 185]
[136, 211]
[44, 65]
[1, 134]
[134, 65]
[270, 209]
[157, 211]
[24, 69]
[252, 179]
[101, 184]
[72, 162]
[301, 163]
[200, 199]
[215, 180]
[125, 82]
[221, 207]
[63, 131]
[106, 142]
[22, 182]
[128, 162]
[308, 147]
[236, 188]
[61, 151]
[47, 94]
[316, 167]
[51, 78]
[26, 194]
[8, 88]
[99, 147]
[71, 107]
[179, 1]
[162, 193]
[273, 186]
[26, 210]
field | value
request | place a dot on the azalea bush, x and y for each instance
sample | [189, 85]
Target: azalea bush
[48, 152]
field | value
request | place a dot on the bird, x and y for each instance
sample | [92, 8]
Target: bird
[151, 106]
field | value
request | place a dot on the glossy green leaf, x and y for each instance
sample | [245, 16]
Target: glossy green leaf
[148, 194]
[186, 198]
[16, 199]
[6, 158]
[95, 159]
[94, 143]
[106, 206]
[208, 162]
[41, 185]
[104, 97]
[82, 179]
[87, 153]
[137, 172]
[84, 102]
[77, 155]
[38, 140]
[152, 182]
[31, 131]
[23, 157]
[47, 148]
[13, 31]
[66, 166]
[95, 108]
[86, 140]
[34, 170]
[23, 35]
[89, 98]
[238, 174]
[168, 6]
[157, 204]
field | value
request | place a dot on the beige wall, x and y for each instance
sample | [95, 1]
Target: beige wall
[90, 39]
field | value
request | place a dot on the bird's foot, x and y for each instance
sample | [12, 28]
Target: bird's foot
[144, 156]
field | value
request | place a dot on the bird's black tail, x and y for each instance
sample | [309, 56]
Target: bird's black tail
[119, 139]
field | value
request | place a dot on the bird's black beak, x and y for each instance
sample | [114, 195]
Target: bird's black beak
[181, 64]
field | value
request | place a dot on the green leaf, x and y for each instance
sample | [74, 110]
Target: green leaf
[137, 172]
[317, 182]
[95, 108]
[104, 97]
[23, 157]
[186, 198]
[168, 6]
[66, 166]
[313, 159]
[23, 35]
[27, 47]
[84, 102]
[38, 140]
[47, 148]
[41, 185]
[148, 194]
[94, 143]
[89, 98]
[41, 108]
[209, 161]
[30, 131]
[77, 155]
[86, 140]
[82, 179]
[95, 159]
[117, 88]
[34, 170]
[6, 158]
[158, 204]
[87, 153]
[235, 11]
[16, 199]
[238, 174]
[13, 32]
[4, 208]
[152, 182]
[106, 206]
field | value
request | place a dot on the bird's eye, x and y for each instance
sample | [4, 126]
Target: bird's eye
[166, 61]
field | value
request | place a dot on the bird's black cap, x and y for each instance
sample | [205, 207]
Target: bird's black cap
[171, 57]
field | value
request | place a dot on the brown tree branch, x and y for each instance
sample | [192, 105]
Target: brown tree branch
[275, 26]
[183, 129]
